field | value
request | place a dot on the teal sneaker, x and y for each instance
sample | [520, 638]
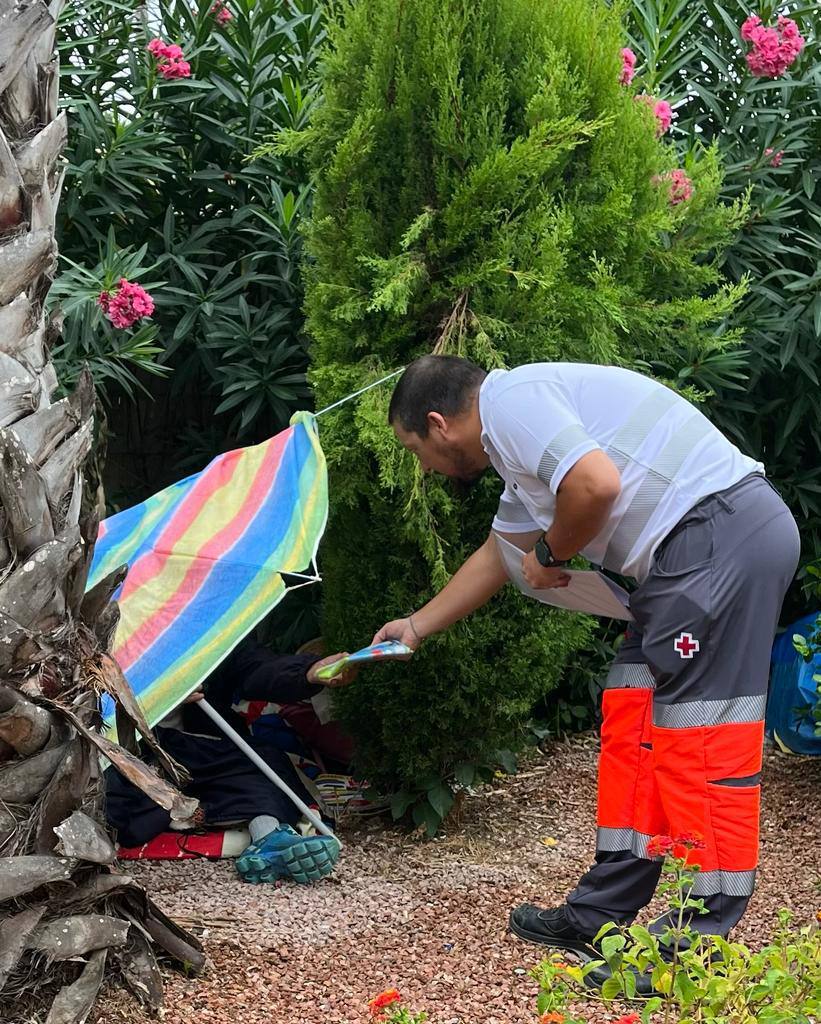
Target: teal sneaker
[284, 853]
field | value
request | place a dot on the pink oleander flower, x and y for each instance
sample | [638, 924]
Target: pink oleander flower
[628, 66]
[169, 59]
[680, 186]
[775, 158]
[174, 69]
[221, 12]
[749, 27]
[773, 49]
[789, 31]
[662, 110]
[128, 304]
[664, 116]
[157, 48]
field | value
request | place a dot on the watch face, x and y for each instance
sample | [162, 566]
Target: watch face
[543, 554]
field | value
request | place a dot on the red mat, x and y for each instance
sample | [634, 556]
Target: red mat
[186, 846]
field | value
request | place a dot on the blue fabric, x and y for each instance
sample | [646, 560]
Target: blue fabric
[792, 688]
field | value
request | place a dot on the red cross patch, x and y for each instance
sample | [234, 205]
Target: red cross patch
[686, 645]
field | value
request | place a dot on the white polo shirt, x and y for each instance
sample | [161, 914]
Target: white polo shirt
[538, 420]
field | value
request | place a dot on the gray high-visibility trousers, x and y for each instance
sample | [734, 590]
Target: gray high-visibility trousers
[683, 710]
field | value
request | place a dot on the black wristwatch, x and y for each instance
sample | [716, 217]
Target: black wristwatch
[544, 556]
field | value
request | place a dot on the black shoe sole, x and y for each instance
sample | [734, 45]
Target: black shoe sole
[578, 946]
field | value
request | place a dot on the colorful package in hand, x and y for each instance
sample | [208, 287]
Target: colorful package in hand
[378, 652]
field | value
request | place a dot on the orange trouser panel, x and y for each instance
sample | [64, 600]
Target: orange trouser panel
[628, 795]
[688, 765]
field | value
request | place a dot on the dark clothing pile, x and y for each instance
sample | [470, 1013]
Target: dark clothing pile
[250, 672]
[230, 789]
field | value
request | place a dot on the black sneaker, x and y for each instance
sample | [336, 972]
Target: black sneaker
[550, 928]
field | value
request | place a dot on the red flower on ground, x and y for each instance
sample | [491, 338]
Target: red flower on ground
[631, 1018]
[628, 66]
[387, 998]
[692, 840]
[128, 304]
[659, 846]
[552, 1018]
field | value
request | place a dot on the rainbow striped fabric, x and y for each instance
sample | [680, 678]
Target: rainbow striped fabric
[206, 561]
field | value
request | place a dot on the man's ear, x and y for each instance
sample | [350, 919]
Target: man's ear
[437, 423]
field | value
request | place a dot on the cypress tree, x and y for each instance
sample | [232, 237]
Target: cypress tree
[485, 187]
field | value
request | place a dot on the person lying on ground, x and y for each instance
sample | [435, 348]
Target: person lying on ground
[231, 791]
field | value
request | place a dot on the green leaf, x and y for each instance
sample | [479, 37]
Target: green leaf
[651, 1007]
[440, 798]
[606, 929]
[684, 987]
[400, 802]
[611, 988]
[425, 816]
[465, 774]
[643, 936]
[611, 944]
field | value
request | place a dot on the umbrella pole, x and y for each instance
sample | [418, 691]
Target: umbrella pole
[266, 769]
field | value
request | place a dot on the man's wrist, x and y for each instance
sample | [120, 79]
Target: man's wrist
[545, 555]
[560, 551]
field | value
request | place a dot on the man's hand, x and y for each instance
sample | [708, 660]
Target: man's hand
[539, 578]
[194, 697]
[398, 629]
[474, 583]
[345, 677]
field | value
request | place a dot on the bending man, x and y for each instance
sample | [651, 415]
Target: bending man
[605, 462]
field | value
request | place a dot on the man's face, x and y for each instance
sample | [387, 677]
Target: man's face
[442, 451]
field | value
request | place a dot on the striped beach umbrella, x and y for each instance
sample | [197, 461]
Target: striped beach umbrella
[208, 558]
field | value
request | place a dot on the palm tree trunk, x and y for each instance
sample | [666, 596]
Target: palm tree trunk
[67, 918]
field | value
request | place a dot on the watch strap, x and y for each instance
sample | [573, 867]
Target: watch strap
[544, 556]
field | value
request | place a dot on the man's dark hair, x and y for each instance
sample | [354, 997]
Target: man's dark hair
[443, 384]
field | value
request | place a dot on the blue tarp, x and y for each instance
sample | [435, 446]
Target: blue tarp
[792, 688]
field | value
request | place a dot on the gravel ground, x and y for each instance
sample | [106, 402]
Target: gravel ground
[430, 918]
